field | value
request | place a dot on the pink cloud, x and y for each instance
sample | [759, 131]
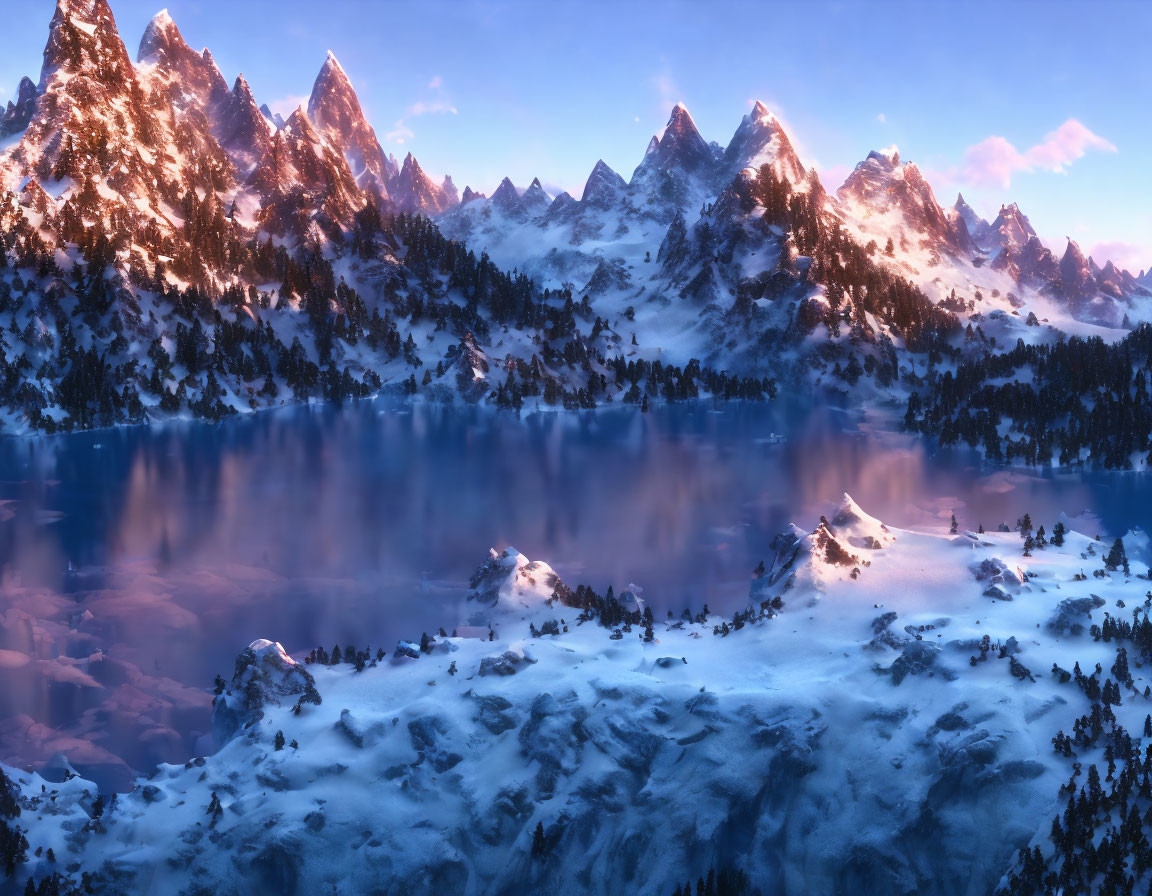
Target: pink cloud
[995, 160]
[1126, 256]
[286, 105]
[833, 176]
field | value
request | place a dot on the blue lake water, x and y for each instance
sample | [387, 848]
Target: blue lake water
[136, 563]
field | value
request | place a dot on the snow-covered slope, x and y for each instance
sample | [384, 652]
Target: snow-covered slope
[880, 719]
[171, 249]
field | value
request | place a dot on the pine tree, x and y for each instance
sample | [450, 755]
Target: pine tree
[278, 743]
[1116, 556]
[539, 841]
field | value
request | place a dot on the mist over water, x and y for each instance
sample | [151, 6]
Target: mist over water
[136, 563]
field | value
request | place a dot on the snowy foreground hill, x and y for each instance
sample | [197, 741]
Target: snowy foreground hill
[895, 712]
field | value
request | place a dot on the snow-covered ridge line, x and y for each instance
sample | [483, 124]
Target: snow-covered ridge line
[171, 251]
[880, 719]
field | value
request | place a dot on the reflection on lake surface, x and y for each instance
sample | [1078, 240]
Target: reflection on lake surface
[136, 563]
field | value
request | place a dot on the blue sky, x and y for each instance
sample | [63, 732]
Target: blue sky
[1041, 103]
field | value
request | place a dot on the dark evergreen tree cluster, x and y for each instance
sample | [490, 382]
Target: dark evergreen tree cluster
[359, 659]
[1067, 400]
[13, 843]
[1100, 841]
[847, 270]
[218, 349]
[725, 882]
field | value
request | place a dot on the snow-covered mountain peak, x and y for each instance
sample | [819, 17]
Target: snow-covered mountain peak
[240, 87]
[888, 157]
[189, 77]
[274, 117]
[680, 146]
[535, 200]
[761, 140]
[762, 113]
[82, 36]
[241, 127]
[850, 518]
[159, 34]
[1011, 229]
[272, 651]
[299, 122]
[413, 190]
[902, 201]
[506, 197]
[331, 79]
[19, 111]
[1076, 277]
[448, 187]
[976, 226]
[335, 109]
[85, 11]
[332, 63]
[604, 187]
[510, 583]
[265, 676]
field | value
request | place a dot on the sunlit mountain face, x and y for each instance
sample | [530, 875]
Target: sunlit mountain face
[713, 512]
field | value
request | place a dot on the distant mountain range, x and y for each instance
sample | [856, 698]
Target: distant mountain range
[171, 247]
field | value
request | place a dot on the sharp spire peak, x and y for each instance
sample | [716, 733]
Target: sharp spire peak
[762, 112]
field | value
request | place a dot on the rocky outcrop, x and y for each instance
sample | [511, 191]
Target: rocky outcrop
[265, 675]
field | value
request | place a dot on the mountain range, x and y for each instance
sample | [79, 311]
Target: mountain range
[172, 248]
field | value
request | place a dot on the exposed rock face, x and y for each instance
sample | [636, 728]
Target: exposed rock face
[680, 148]
[190, 79]
[1076, 278]
[535, 201]
[152, 132]
[604, 187]
[1074, 615]
[335, 110]
[506, 197]
[510, 582]
[265, 675]
[19, 113]
[241, 127]
[882, 185]
[761, 140]
[413, 190]
[1011, 230]
[976, 226]
[305, 181]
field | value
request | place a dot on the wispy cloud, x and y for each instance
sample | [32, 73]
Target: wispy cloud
[994, 161]
[882, 118]
[434, 102]
[286, 105]
[663, 84]
[400, 133]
